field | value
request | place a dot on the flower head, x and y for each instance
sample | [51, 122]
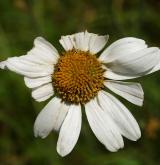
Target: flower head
[80, 76]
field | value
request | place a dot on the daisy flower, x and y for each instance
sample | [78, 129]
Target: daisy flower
[78, 78]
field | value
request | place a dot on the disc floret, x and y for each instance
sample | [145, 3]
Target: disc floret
[78, 76]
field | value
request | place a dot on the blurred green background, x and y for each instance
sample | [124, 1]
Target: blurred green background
[23, 20]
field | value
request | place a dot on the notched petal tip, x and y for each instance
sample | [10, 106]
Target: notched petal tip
[113, 149]
[39, 38]
[3, 65]
[40, 134]
[106, 37]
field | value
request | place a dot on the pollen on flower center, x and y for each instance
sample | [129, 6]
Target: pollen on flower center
[78, 76]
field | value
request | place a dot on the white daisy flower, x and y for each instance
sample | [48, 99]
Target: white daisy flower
[78, 78]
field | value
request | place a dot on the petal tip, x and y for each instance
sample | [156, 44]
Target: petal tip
[141, 103]
[2, 65]
[39, 131]
[61, 151]
[39, 38]
[107, 37]
[137, 136]
[42, 135]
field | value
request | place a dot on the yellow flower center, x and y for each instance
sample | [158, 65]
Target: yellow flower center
[78, 76]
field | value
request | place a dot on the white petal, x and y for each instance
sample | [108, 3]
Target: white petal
[46, 48]
[38, 62]
[69, 131]
[29, 69]
[42, 53]
[129, 58]
[36, 82]
[44, 98]
[66, 42]
[84, 41]
[120, 114]
[79, 41]
[131, 91]
[51, 117]
[103, 127]
[42, 93]
[115, 76]
[156, 68]
[97, 43]
[122, 47]
[3, 64]
[90, 42]
[136, 64]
